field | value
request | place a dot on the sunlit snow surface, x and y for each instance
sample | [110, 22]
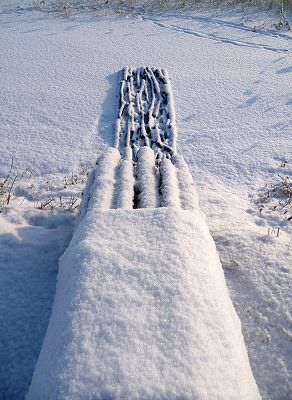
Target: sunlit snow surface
[142, 323]
[141, 308]
[59, 86]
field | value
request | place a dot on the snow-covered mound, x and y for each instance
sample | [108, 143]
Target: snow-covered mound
[141, 308]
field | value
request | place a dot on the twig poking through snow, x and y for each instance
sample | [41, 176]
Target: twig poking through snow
[276, 197]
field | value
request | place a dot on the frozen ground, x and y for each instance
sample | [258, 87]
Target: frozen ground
[233, 98]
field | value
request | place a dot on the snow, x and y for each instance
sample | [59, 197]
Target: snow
[147, 179]
[141, 307]
[112, 185]
[105, 178]
[151, 321]
[125, 191]
[169, 185]
[146, 116]
[188, 194]
[231, 86]
[30, 246]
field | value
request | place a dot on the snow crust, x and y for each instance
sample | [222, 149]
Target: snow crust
[142, 311]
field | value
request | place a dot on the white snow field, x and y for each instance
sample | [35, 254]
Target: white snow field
[141, 309]
[59, 86]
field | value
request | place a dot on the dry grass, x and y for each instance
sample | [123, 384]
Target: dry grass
[62, 193]
[68, 7]
[276, 197]
[8, 184]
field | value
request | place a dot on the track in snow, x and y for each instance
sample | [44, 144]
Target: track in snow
[146, 115]
[143, 170]
[217, 38]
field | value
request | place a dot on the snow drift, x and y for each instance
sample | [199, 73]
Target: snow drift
[141, 308]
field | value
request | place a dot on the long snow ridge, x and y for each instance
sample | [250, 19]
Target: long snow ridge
[141, 308]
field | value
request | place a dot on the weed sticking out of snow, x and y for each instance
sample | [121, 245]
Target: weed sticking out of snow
[254, 12]
[37, 215]
[283, 19]
[275, 198]
[8, 184]
[61, 192]
[31, 242]
[96, 7]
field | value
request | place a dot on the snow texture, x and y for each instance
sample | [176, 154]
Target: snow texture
[146, 115]
[231, 77]
[153, 321]
[188, 194]
[123, 183]
[147, 179]
[125, 193]
[169, 185]
[30, 246]
[105, 179]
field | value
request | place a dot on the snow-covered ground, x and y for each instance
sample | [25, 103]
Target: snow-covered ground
[59, 99]
[141, 307]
